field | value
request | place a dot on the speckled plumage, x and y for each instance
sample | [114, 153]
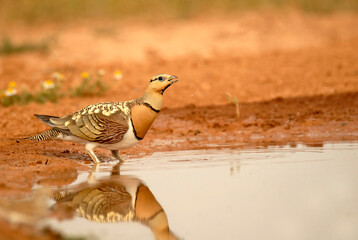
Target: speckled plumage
[49, 134]
[116, 199]
[110, 125]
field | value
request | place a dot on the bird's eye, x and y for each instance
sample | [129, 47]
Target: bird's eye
[161, 79]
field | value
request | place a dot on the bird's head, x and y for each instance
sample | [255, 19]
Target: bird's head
[160, 82]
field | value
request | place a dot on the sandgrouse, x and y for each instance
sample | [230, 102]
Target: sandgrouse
[110, 125]
[116, 198]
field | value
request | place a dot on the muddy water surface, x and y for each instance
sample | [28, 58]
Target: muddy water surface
[264, 193]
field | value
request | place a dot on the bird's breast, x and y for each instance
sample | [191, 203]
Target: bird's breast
[142, 118]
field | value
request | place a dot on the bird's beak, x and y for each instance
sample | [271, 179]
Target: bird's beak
[173, 79]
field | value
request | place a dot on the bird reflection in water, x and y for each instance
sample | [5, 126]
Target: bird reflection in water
[115, 199]
[111, 199]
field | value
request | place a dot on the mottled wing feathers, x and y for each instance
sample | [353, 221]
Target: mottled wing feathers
[107, 202]
[101, 123]
[99, 128]
[59, 122]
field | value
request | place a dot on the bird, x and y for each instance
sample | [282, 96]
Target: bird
[109, 125]
[116, 198]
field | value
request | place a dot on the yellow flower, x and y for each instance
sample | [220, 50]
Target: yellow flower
[48, 84]
[85, 75]
[10, 92]
[118, 75]
[12, 84]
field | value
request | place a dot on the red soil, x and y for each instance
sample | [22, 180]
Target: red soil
[295, 77]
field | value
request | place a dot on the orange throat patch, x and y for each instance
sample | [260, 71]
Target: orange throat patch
[142, 119]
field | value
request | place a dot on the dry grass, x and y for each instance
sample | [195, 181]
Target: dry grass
[7, 46]
[235, 101]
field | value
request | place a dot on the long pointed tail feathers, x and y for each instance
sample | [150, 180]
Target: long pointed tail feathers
[49, 134]
[46, 119]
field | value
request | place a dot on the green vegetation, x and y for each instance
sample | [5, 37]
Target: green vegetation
[89, 87]
[50, 90]
[44, 11]
[50, 94]
[8, 47]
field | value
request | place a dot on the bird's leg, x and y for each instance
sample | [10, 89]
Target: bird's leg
[116, 170]
[89, 149]
[91, 179]
[115, 153]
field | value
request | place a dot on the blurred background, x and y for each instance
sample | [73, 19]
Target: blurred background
[45, 12]
[252, 50]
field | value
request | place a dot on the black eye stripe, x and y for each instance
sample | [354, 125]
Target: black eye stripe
[161, 79]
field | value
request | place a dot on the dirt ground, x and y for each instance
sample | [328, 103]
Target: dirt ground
[295, 77]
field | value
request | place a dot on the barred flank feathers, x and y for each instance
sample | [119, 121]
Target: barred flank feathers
[49, 134]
